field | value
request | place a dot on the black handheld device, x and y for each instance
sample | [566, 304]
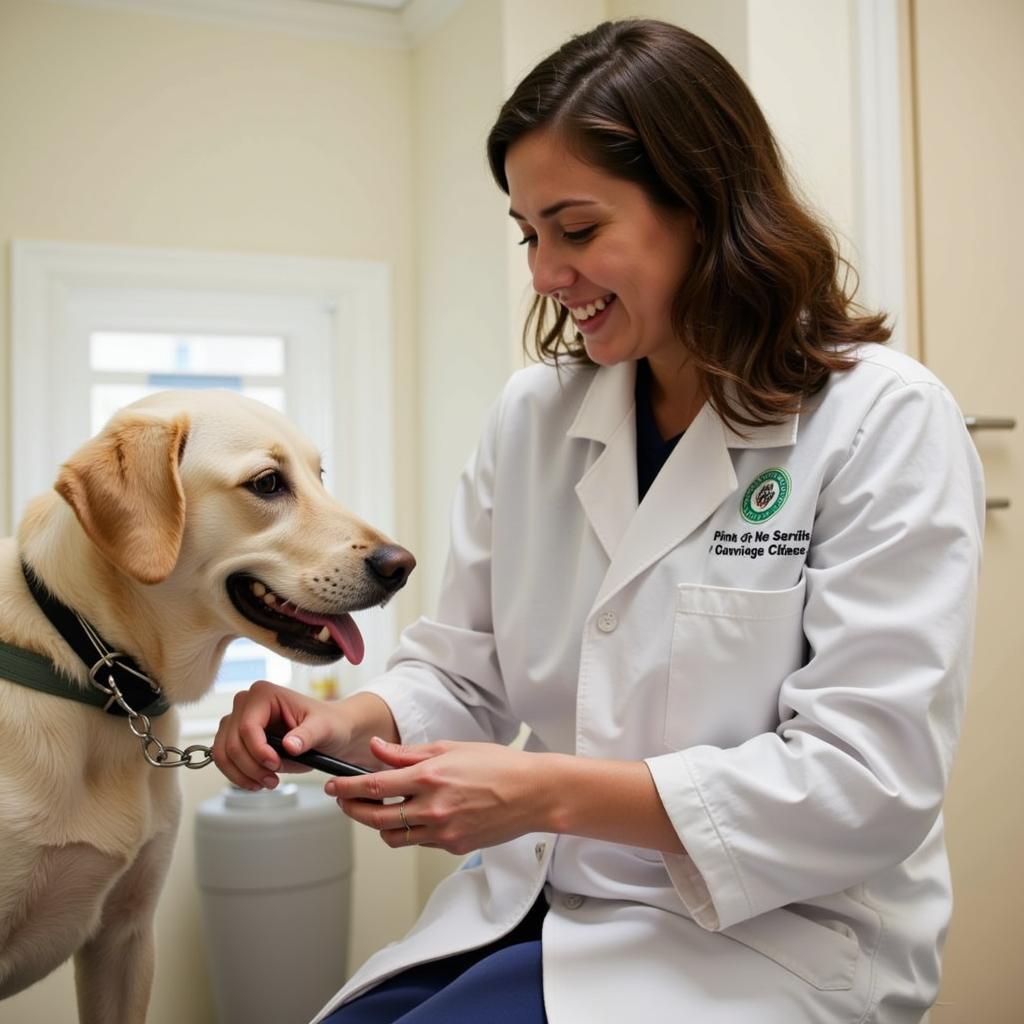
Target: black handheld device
[314, 759]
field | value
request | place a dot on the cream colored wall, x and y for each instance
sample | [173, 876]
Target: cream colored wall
[460, 312]
[723, 23]
[139, 129]
[800, 69]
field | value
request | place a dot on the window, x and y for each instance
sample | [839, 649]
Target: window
[97, 328]
[126, 366]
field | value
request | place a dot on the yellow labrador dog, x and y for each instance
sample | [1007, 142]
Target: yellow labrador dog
[192, 519]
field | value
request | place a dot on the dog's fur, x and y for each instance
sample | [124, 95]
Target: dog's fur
[147, 523]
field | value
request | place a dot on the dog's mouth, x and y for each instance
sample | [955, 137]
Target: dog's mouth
[325, 637]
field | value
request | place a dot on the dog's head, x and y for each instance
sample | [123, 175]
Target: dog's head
[219, 500]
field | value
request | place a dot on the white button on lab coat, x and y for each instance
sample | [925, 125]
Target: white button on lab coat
[781, 630]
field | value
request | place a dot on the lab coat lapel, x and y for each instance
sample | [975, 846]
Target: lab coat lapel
[607, 491]
[695, 480]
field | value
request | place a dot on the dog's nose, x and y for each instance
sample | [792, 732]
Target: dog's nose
[390, 566]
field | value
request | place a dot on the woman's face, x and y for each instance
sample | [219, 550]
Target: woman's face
[600, 247]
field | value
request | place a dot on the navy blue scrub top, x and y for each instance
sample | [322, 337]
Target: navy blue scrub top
[652, 450]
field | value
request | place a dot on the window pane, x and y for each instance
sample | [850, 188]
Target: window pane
[202, 354]
[274, 397]
[245, 662]
[108, 398]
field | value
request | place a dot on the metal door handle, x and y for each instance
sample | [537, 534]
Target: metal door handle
[992, 423]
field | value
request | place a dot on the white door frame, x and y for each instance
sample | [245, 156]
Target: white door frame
[881, 150]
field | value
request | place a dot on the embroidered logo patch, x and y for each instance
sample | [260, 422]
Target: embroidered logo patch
[766, 495]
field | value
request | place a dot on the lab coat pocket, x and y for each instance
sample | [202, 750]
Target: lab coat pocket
[731, 650]
[823, 955]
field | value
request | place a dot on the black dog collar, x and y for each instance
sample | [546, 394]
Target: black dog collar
[140, 693]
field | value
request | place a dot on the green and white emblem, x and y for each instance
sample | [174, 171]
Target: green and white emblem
[766, 495]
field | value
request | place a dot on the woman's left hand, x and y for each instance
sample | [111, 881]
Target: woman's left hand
[459, 797]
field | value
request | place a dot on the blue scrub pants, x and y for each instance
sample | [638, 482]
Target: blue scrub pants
[500, 983]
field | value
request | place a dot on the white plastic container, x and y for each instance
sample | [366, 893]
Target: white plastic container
[274, 869]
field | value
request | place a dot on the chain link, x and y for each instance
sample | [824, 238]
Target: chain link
[158, 754]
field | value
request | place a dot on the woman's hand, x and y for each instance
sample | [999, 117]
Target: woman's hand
[459, 797]
[241, 751]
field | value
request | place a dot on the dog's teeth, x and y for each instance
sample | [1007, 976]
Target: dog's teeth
[324, 635]
[269, 599]
[258, 589]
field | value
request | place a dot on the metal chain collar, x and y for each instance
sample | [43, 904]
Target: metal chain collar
[158, 754]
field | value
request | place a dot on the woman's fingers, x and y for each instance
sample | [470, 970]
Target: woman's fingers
[401, 755]
[226, 761]
[397, 838]
[401, 780]
[240, 748]
[230, 751]
[458, 796]
[379, 817]
[311, 732]
[375, 786]
[395, 822]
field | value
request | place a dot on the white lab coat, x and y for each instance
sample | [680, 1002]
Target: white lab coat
[795, 686]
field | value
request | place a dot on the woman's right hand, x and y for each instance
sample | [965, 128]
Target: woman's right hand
[240, 748]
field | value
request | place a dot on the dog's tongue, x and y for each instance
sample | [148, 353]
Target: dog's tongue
[343, 630]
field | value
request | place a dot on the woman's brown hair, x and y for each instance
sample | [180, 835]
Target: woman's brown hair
[763, 311]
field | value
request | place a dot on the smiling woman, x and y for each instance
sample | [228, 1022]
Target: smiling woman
[721, 559]
[701, 218]
[612, 262]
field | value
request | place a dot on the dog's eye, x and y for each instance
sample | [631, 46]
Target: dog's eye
[269, 482]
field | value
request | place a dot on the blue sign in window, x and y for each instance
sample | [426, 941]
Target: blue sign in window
[173, 380]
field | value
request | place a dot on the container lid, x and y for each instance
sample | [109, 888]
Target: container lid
[240, 799]
[272, 839]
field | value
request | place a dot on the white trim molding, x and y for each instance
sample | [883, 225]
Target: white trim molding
[879, 134]
[365, 22]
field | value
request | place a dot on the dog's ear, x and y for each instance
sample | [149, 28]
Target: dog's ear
[125, 489]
